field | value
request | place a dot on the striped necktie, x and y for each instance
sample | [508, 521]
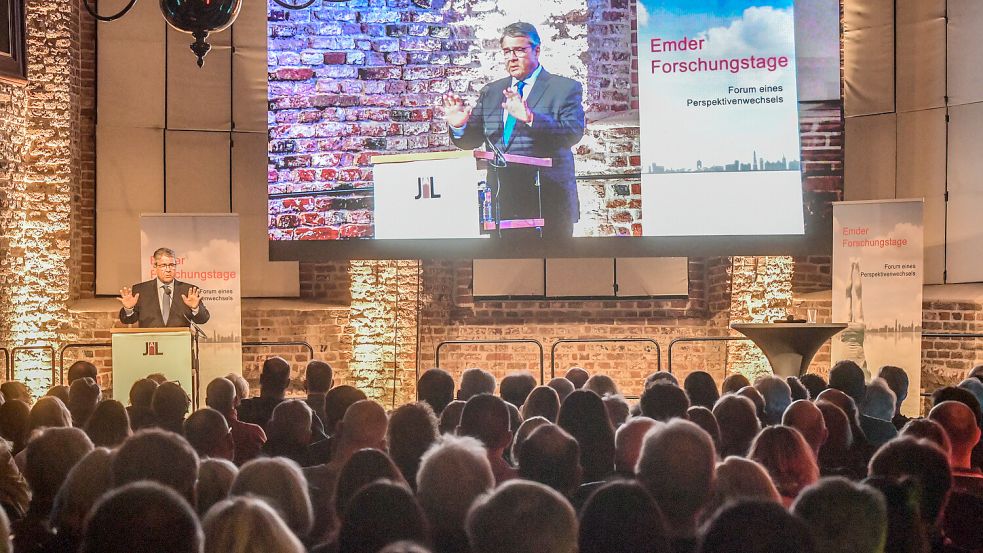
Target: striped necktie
[510, 121]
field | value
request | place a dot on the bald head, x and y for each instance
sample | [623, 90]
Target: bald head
[804, 416]
[364, 425]
[959, 423]
[628, 442]
[221, 395]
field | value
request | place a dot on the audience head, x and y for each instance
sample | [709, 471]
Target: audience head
[15, 389]
[436, 387]
[617, 408]
[777, 395]
[804, 416]
[142, 517]
[364, 425]
[245, 525]
[848, 377]
[49, 411]
[677, 466]
[60, 391]
[897, 380]
[160, 456]
[961, 426]
[475, 381]
[879, 401]
[787, 457]
[701, 389]
[215, 478]
[280, 483]
[621, 517]
[453, 472]
[220, 395]
[362, 468]
[973, 386]
[577, 376]
[733, 383]
[412, 430]
[15, 422]
[159, 378]
[755, 526]
[544, 402]
[486, 417]
[274, 378]
[208, 432]
[602, 385]
[845, 517]
[81, 369]
[319, 377]
[450, 417]
[584, 416]
[379, 514]
[241, 384]
[515, 388]
[844, 402]
[522, 517]
[663, 401]
[814, 383]
[703, 417]
[88, 480]
[738, 424]
[661, 377]
[905, 531]
[628, 443]
[757, 399]
[953, 393]
[171, 402]
[290, 423]
[109, 424]
[551, 456]
[928, 429]
[404, 546]
[798, 390]
[336, 403]
[562, 386]
[142, 392]
[50, 456]
[525, 429]
[740, 478]
[923, 462]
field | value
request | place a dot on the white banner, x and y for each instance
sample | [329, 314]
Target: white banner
[878, 250]
[207, 248]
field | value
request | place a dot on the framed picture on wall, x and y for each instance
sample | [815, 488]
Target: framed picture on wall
[13, 65]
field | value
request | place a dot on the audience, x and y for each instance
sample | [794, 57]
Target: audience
[897, 380]
[436, 388]
[733, 383]
[81, 369]
[577, 376]
[274, 378]
[522, 517]
[645, 487]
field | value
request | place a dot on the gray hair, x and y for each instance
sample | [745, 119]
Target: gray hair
[844, 516]
[476, 381]
[452, 473]
[879, 400]
[161, 252]
[522, 29]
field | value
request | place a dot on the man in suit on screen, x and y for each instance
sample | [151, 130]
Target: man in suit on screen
[530, 113]
[163, 301]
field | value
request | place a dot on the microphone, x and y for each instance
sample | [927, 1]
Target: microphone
[194, 326]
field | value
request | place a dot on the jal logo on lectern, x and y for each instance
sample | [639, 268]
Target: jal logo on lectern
[151, 348]
[425, 189]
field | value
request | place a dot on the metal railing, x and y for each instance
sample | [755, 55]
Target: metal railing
[537, 343]
[701, 339]
[39, 347]
[299, 343]
[75, 345]
[556, 344]
[944, 336]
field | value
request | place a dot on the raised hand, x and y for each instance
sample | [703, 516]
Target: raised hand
[193, 297]
[455, 111]
[516, 106]
[128, 298]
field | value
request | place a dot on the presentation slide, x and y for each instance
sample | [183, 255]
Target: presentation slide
[719, 118]
[551, 124]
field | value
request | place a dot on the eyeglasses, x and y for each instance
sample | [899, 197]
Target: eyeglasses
[519, 52]
[170, 266]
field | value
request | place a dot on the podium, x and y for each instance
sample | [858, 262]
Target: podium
[138, 352]
[789, 347]
[447, 194]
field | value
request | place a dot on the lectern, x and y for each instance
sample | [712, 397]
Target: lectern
[138, 352]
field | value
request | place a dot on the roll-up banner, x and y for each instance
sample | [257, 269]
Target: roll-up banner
[719, 118]
[877, 287]
[207, 248]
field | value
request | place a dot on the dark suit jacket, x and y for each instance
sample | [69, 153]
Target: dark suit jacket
[558, 124]
[147, 310]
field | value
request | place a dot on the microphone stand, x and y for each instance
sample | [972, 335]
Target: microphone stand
[498, 163]
[196, 332]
